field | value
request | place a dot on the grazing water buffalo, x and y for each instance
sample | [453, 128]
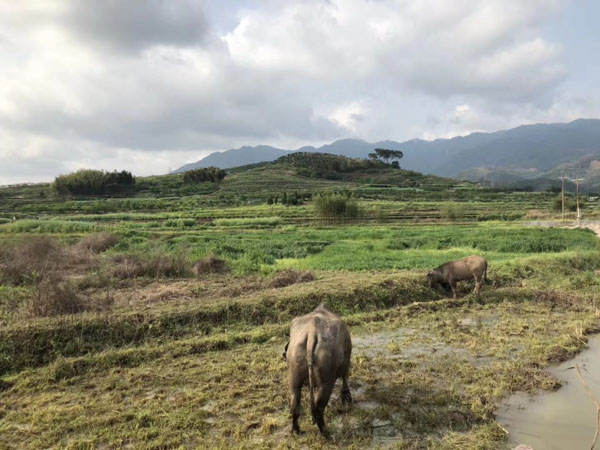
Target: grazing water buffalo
[317, 354]
[471, 267]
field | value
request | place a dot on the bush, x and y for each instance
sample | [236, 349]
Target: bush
[570, 204]
[336, 207]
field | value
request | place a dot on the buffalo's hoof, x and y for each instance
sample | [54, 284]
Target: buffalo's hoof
[346, 397]
[326, 435]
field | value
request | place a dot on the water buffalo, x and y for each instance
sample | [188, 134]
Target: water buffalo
[471, 267]
[317, 354]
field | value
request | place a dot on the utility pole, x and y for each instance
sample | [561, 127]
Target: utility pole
[562, 177]
[577, 180]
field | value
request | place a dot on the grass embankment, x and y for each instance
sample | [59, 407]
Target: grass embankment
[159, 358]
[202, 366]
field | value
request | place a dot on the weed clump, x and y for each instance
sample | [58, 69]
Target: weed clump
[289, 277]
[53, 296]
[211, 264]
[453, 211]
[29, 261]
[336, 207]
[153, 266]
[97, 242]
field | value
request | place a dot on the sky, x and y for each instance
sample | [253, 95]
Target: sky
[148, 85]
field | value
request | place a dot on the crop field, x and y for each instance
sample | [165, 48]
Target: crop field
[158, 320]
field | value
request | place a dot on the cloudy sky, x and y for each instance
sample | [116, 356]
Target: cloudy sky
[148, 85]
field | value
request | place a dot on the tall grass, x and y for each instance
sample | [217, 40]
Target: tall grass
[336, 208]
[251, 222]
[47, 226]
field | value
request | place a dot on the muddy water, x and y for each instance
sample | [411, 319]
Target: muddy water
[564, 419]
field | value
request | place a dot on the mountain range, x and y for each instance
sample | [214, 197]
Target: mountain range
[515, 156]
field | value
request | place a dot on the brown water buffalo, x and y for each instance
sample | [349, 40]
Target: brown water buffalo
[471, 267]
[317, 354]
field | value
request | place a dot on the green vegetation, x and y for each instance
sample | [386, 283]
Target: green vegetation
[157, 320]
[210, 174]
[336, 207]
[93, 182]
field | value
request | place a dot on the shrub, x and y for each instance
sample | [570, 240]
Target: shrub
[570, 204]
[336, 207]
[210, 264]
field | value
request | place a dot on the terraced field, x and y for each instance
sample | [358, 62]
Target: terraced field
[111, 337]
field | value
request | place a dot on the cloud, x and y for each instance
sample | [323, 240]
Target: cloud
[127, 83]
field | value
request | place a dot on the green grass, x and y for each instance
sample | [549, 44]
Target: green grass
[47, 226]
[186, 362]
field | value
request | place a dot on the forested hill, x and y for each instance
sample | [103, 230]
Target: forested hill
[540, 147]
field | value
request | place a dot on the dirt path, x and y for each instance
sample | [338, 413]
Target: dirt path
[593, 225]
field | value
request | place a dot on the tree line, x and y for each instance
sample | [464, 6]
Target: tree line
[93, 182]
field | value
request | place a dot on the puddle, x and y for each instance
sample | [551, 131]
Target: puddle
[564, 419]
[381, 343]
[392, 344]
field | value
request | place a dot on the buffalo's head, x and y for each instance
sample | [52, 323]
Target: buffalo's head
[430, 279]
[433, 278]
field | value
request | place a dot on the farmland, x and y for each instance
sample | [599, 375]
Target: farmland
[147, 352]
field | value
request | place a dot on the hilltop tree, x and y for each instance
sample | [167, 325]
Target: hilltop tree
[386, 154]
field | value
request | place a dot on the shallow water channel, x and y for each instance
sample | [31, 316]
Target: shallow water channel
[564, 419]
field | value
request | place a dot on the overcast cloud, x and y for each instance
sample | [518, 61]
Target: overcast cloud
[150, 85]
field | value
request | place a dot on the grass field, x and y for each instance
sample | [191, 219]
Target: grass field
[110, 337]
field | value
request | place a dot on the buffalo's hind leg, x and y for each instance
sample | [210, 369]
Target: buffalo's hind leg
[295, 397]
[346, 395]
[323, 394]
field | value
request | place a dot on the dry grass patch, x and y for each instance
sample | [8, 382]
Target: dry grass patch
[210, 264]
[289, 277]
[53, 296]
[37, 258]
[153, 266]
[29, 260]
[97, 242]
